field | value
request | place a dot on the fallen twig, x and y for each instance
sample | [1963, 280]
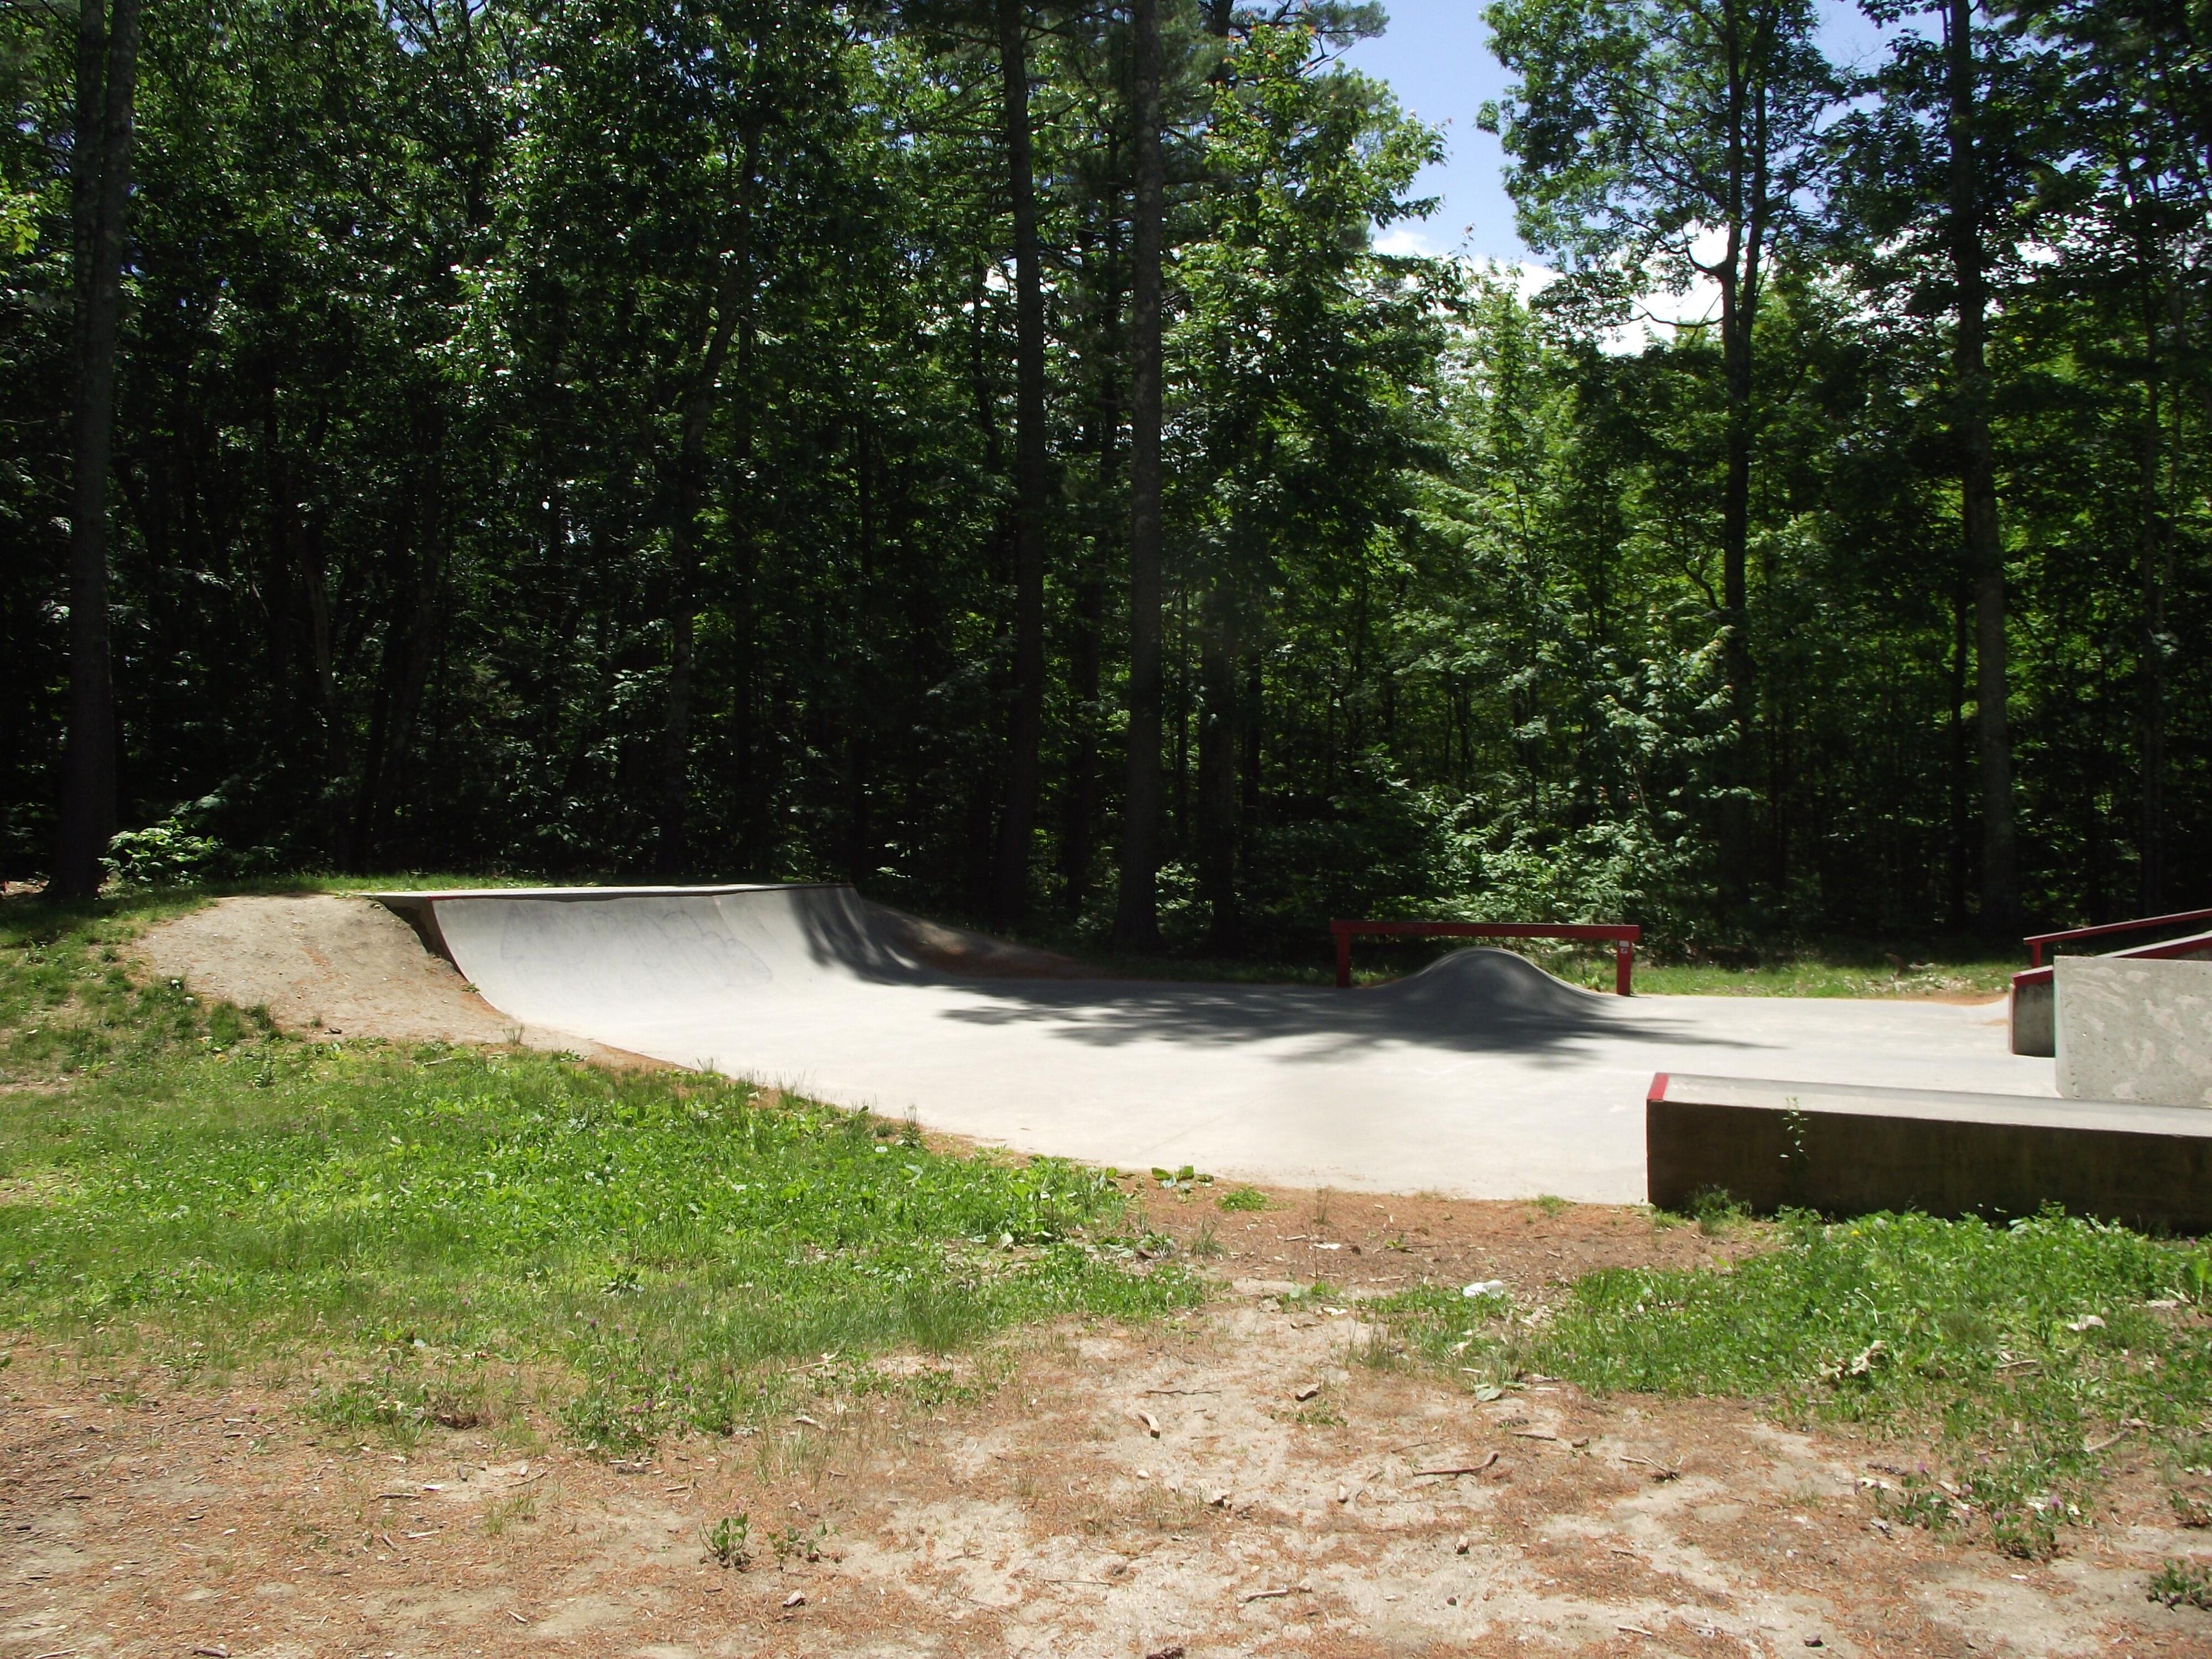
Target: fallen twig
[1273, 1594]
[1459, 1468]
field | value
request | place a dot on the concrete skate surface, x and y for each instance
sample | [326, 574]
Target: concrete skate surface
[1481, 1077]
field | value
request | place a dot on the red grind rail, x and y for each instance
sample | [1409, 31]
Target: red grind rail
[2035, 941]
[2189, 945]
[1622, 935]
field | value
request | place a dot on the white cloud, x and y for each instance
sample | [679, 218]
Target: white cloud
[1409, 238]
[1658, 315]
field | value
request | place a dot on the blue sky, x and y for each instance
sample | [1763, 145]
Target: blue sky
[1436, 53]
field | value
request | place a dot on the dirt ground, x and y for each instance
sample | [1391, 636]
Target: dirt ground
[1236, 1480]
[330, 965]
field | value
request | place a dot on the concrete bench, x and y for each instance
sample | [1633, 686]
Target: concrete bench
[1848, 1150]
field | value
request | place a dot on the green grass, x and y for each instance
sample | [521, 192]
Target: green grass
[418, 1229]
[2025, 1353]
[1824, 974]
[1839, 969]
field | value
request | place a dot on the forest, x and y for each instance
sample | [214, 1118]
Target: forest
[976, 449]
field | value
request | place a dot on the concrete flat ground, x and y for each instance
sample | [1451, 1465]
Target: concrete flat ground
[1481, 1077]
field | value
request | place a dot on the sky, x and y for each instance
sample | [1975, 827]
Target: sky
[1435, 54]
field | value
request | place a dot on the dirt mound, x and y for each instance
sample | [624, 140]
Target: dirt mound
[328, 966]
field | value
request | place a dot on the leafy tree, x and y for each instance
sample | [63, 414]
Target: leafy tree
[1676, 139]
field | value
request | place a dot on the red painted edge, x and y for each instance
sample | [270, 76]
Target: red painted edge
[1658, 1089]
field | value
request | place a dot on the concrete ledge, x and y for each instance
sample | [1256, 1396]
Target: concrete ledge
[1845, 1150]
[2135, 1029]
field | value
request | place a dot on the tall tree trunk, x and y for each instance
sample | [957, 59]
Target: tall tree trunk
[732, 296]
[1217, 765]
[1736, 819]
[1025, 729]
[1738, 283]
[2150, 661]
[410, 651]
[1954, 898]
[1136, 920]
[861, 688]
[99, 184]
[1978, 489]
[1080, 814]
[1250, 712]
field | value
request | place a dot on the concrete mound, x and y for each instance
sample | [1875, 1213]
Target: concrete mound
[1487, 981]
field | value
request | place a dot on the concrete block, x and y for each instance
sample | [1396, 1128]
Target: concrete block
[1846, 1151]
[2032, 1028]
[2135, 1029]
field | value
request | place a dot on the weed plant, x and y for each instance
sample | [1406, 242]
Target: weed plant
[427, 1225]
[2182, 1583]
[2031, 1354]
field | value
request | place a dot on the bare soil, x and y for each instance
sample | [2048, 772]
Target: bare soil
[327, 966]
[1237, 1480]
[1232, 1482]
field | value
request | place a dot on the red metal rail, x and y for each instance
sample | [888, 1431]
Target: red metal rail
[1624, 937]
[2035, 941]
[2190, 947]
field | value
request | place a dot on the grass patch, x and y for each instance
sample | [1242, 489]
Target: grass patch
[1964, 968]
[677, 1251]
[2029, 1354]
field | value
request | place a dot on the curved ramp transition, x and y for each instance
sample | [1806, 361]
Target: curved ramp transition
[1481, 1077]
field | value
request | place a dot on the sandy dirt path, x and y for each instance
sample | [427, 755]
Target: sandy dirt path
[1234, 1482]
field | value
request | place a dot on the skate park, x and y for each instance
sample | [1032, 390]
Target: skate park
[1482, 1076]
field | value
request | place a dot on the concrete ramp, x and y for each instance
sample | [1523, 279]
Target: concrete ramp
[1481, 1077]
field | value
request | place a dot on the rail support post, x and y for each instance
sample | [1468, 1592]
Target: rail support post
[1624, 961]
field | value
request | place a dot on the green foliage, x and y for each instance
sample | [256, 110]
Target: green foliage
[164, 855]
[446, 539]
[673, 1242]
[2179, 1584]
[1242, 1198]
[729, 1541]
